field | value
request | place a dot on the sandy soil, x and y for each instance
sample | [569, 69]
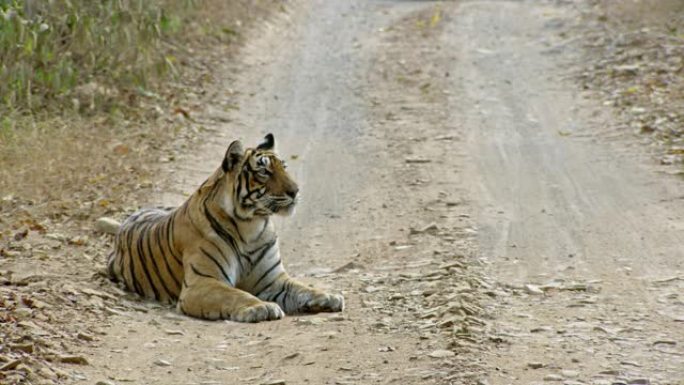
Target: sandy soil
[458, 189]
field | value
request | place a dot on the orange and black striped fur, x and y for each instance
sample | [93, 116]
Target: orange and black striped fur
[217, 254]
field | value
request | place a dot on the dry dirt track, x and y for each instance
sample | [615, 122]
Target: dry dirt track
[460, 115]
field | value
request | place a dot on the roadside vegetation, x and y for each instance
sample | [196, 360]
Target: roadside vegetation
[84, 79]
[53, 51]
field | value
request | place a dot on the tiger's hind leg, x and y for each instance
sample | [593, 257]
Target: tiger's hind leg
[296, 297]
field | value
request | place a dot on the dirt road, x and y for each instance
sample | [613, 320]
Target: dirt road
[446, 160]
[555, 206]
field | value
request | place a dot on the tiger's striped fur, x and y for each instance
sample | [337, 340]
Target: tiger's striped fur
[217, 254]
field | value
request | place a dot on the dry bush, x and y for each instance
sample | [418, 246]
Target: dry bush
[107, 149]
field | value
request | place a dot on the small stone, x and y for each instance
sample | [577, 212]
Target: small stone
[105, 383]
[84, 336]
[172, 332]
[310, 321]
[69, 359]
[112, 311]
[274, 382]
[107, 225]
[569, 373]
[441, 354]
[80, 240]
[553, 377]
[533, 290]
[639, 381]
[161, 362]
[371, 289]
[535, 365]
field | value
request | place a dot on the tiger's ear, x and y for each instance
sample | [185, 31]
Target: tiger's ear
[233, 156]
[268, 143]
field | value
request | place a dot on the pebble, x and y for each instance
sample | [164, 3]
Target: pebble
[84, 336]
[69, 359]
[417, 160]
[569, 373]
[274, 382]
[161, 362]
[533, 289]
[310, 321]
[174, 332]
[371, 289]
[535, 365]
[105, 383]
[553, 377]
[441, 354]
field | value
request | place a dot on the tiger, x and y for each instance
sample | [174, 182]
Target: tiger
[216, 256]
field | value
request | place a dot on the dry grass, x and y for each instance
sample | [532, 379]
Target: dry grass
[97, 160]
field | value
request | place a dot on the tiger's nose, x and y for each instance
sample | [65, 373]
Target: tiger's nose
[293, 192]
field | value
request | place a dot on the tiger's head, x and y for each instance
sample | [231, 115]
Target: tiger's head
[261, 185]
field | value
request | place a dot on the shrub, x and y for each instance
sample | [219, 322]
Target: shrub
[70, 52]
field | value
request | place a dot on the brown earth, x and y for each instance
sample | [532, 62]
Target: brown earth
[460, 189]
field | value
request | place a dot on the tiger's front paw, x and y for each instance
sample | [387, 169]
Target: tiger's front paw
[320, 303]
[264, 311]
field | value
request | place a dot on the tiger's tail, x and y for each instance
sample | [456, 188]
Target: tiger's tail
[107, 225]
